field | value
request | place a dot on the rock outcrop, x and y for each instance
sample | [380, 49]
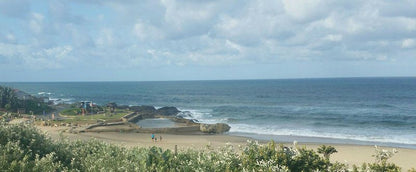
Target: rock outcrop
[143, 109]
[180, 119]
[150, 111]
[168, 111]
[214, 128]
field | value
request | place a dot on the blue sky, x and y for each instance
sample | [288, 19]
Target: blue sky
[103, 40]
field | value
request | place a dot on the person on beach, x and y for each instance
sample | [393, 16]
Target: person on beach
[153, 137]
[160, 138]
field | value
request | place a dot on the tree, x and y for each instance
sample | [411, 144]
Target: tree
[327, 151]
[7, 107]
[10, 102]
[8, 97]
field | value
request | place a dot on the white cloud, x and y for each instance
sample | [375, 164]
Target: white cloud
[179, 15]
[334, 38]
[57, 52]
[51, 58]
[10, 37]
[304, 10]
[212, 33]
[408, 23]
[105, 38]
[147, 32]
[35, 23]
[11, 51]
[233, 45]
[23, 56]
[408, 43]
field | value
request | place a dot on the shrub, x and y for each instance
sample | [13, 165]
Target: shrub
[381, 163]
[24, 148]
[326, 151]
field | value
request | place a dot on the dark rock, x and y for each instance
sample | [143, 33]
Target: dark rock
[122, 107]
[207, 128]
[147, 115]
[112, 105]
[222, 127]
[184, 120]
[214, 128]
[143, 109]
[185, 114]
[168, 111]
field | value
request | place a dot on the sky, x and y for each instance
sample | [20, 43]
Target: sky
[144, 40]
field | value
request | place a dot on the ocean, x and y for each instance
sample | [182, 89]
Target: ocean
[338, 110]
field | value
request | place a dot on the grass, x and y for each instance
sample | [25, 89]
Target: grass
[88, 119]
[70, 111]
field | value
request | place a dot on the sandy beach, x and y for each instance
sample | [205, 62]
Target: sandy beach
[348, 154]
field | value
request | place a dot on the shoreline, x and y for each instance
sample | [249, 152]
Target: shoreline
[317, 140]
[351, 154]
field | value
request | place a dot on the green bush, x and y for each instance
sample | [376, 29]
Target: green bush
[326, 151]
[34, 105]
[381, 163]
[10, 102]
[24, 148]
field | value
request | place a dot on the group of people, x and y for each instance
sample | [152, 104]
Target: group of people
[154, 138]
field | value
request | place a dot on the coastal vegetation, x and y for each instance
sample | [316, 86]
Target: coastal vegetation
[25, 148]
[10, 102]
[327, 151]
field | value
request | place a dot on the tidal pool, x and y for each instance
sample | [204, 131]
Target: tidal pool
[156, 123]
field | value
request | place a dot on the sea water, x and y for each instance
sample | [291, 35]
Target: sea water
[156, 123]
[356, 110]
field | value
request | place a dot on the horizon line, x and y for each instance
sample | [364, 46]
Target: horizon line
[248, 79]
